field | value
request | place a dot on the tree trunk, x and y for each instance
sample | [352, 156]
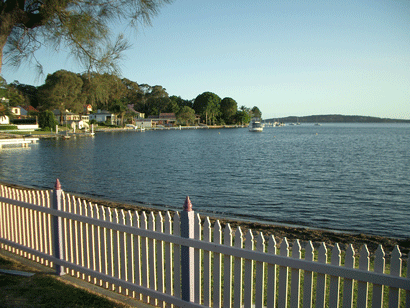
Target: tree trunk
[3, 41]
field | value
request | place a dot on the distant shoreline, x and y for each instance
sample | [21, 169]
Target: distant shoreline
[279, 231]
[334, 118]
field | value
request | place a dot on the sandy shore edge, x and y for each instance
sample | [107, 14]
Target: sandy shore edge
[304, 234]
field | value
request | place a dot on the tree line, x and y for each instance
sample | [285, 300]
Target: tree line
[64, 90]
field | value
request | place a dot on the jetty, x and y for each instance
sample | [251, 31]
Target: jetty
[24, 142]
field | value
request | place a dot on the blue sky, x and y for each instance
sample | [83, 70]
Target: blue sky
[286, 57]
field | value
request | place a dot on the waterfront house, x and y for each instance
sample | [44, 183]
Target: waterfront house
[88, 109]
[30, 109]
[69, 118]
[4, 120]
[144, 123]
[18, 112]
[103, 116]
[137, 114]
[166, 119]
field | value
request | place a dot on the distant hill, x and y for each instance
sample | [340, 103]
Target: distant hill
[334, 118]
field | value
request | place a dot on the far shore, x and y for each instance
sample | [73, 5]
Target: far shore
[279, 231]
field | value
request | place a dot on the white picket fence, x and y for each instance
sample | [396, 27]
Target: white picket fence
[182, 261]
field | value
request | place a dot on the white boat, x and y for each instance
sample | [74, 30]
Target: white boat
[255, 125]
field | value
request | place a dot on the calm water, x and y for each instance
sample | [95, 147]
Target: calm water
[350, 177]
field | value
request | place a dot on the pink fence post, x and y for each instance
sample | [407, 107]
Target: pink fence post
[58, 242]
[187, 253]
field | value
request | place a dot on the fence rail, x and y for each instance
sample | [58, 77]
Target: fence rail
[181, 260]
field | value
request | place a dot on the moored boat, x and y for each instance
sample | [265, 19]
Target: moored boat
[255, 125]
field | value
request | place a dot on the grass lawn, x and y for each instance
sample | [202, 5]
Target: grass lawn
[43, 290]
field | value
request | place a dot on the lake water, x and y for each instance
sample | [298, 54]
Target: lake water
[348, 177]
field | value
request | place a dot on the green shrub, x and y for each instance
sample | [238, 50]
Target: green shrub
[8, 127]
[46, 119]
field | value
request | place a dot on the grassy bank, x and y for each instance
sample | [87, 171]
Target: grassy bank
[43, 290]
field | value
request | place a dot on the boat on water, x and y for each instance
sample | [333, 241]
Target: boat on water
[255, 125]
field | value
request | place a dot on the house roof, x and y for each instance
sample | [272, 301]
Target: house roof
[30, 108]
[167, 115]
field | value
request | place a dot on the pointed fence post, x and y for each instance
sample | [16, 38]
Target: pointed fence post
[187, 253]
[58, 241]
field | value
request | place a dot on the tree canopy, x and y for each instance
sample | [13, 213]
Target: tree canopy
[64, 90]
[228, 109]
[81, 26]
[207, 105]
[186, 115]
[256, 112]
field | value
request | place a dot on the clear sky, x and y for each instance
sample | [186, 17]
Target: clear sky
[286, 57]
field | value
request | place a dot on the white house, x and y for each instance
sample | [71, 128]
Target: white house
[145, 123]
[4, 120]
[103, 116]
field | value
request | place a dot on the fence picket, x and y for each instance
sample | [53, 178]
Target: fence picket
[308, 278]
[260, 273]
[283, 276]
[43, 226]
[27, 220]
[97, 243]
[272, 269]
[395, 270]
[5, 215]
[217, 296]
[295, 277]
[122, 252]
[10, 220]
[116, 250]
[37, 226]
[198, 260]
[227, 294]
[48, 227]
[32, 226]
[177, 257]
[362, 286]
[71, 234]
[78, 234]
[160, 257]
[144, 256]
[103, 246]
[334, 285]
[14, 223]
[152, 282]
[130, 251]
[2, 217]
[109, 248]
[207, 264]
[90, 241]
[238, 267]
[7, 218]
[168, 257]
[379, 265]
[66, 228]
[321, 278]
[349, 283]
[22, 229]
[84, 239]
[249, 245]
[137, 254]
